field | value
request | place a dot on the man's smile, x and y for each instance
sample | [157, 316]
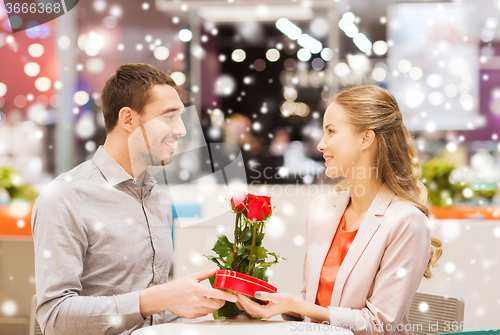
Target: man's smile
[170, 144]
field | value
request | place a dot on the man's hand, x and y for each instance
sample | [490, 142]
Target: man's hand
[278, 303]
[184, 297]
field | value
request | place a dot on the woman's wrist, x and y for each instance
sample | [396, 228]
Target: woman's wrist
[312, 311]
[297, 307]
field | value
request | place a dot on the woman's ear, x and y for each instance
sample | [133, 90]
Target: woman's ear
[125, 119]
[368, 139]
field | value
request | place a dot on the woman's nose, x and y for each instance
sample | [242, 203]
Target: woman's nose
[321, 145]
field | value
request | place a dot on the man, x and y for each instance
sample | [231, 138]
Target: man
[102, 231]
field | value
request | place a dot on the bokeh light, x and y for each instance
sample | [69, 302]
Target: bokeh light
[225, 85]
[272, 55]
[43, 84]
[99, 5]
[81, 98]
[318, 64]
[303, 55]
[380, 48]
[290, 94]
[341, 69]
[64, 42]
[178, 77]
[95, 65]
[379, 74]
[9, 308]
[416, 73]
[161, 53]
[319, 27]
[327, 54]
[185, 35]
[404, 66]
[3, 89]
[32, 69]
[238, 55]
[36, 50]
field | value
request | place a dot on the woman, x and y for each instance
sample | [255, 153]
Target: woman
[368, 246]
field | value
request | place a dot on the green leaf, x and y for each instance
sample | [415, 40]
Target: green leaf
[212, 281]
[243, 266]
[258, 239]
[267, 264]
[216, 316]
[259, 253]
[245, 235]
[276, 257]
[228, 310]
[222, 247]
[260, 273]
[230, 261]
[243, 251]
[215, 260]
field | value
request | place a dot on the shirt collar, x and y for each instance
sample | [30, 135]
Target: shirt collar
[110, 169]
[114, 172]
[149, 180]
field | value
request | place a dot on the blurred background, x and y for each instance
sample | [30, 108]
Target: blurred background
[260, 74]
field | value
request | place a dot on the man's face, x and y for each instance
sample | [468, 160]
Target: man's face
[157, 129]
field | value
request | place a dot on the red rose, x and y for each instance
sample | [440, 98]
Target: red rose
[258, 207]
[238, 200]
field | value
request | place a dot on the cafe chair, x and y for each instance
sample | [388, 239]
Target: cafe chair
[34, 326]
[431, 313]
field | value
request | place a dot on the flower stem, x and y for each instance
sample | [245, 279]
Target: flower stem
[236, 228]
[254, 236]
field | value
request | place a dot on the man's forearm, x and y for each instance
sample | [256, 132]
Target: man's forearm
[80, 315]
[149, 302]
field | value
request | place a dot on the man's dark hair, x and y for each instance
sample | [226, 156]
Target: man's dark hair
[130, 86]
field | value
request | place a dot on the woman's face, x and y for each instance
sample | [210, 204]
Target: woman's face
[341, 144]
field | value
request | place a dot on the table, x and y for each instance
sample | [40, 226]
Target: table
[240, 327]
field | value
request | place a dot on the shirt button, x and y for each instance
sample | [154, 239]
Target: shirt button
[134, 181]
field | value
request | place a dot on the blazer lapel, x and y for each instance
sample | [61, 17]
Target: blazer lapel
[323, 239]
[367, 229]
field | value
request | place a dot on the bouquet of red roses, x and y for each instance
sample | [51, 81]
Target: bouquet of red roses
[245, 256]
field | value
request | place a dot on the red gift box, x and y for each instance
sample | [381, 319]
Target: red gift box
[242, 283]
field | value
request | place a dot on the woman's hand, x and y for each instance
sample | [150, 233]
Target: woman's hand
[278, 303]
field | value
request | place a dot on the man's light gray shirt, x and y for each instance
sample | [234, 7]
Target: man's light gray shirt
[100, 237]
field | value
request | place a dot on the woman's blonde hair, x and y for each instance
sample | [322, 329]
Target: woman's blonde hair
[396, 160]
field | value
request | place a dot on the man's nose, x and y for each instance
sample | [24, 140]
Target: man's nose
[180, 129]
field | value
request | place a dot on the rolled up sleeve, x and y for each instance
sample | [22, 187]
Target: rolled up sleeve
[60, 241]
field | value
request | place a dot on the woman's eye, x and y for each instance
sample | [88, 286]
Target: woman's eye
[330, 131]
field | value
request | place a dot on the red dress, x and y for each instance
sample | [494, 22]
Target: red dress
[338, 250]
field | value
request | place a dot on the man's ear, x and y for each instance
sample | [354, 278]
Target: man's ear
[368, 139]
[125, 119]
